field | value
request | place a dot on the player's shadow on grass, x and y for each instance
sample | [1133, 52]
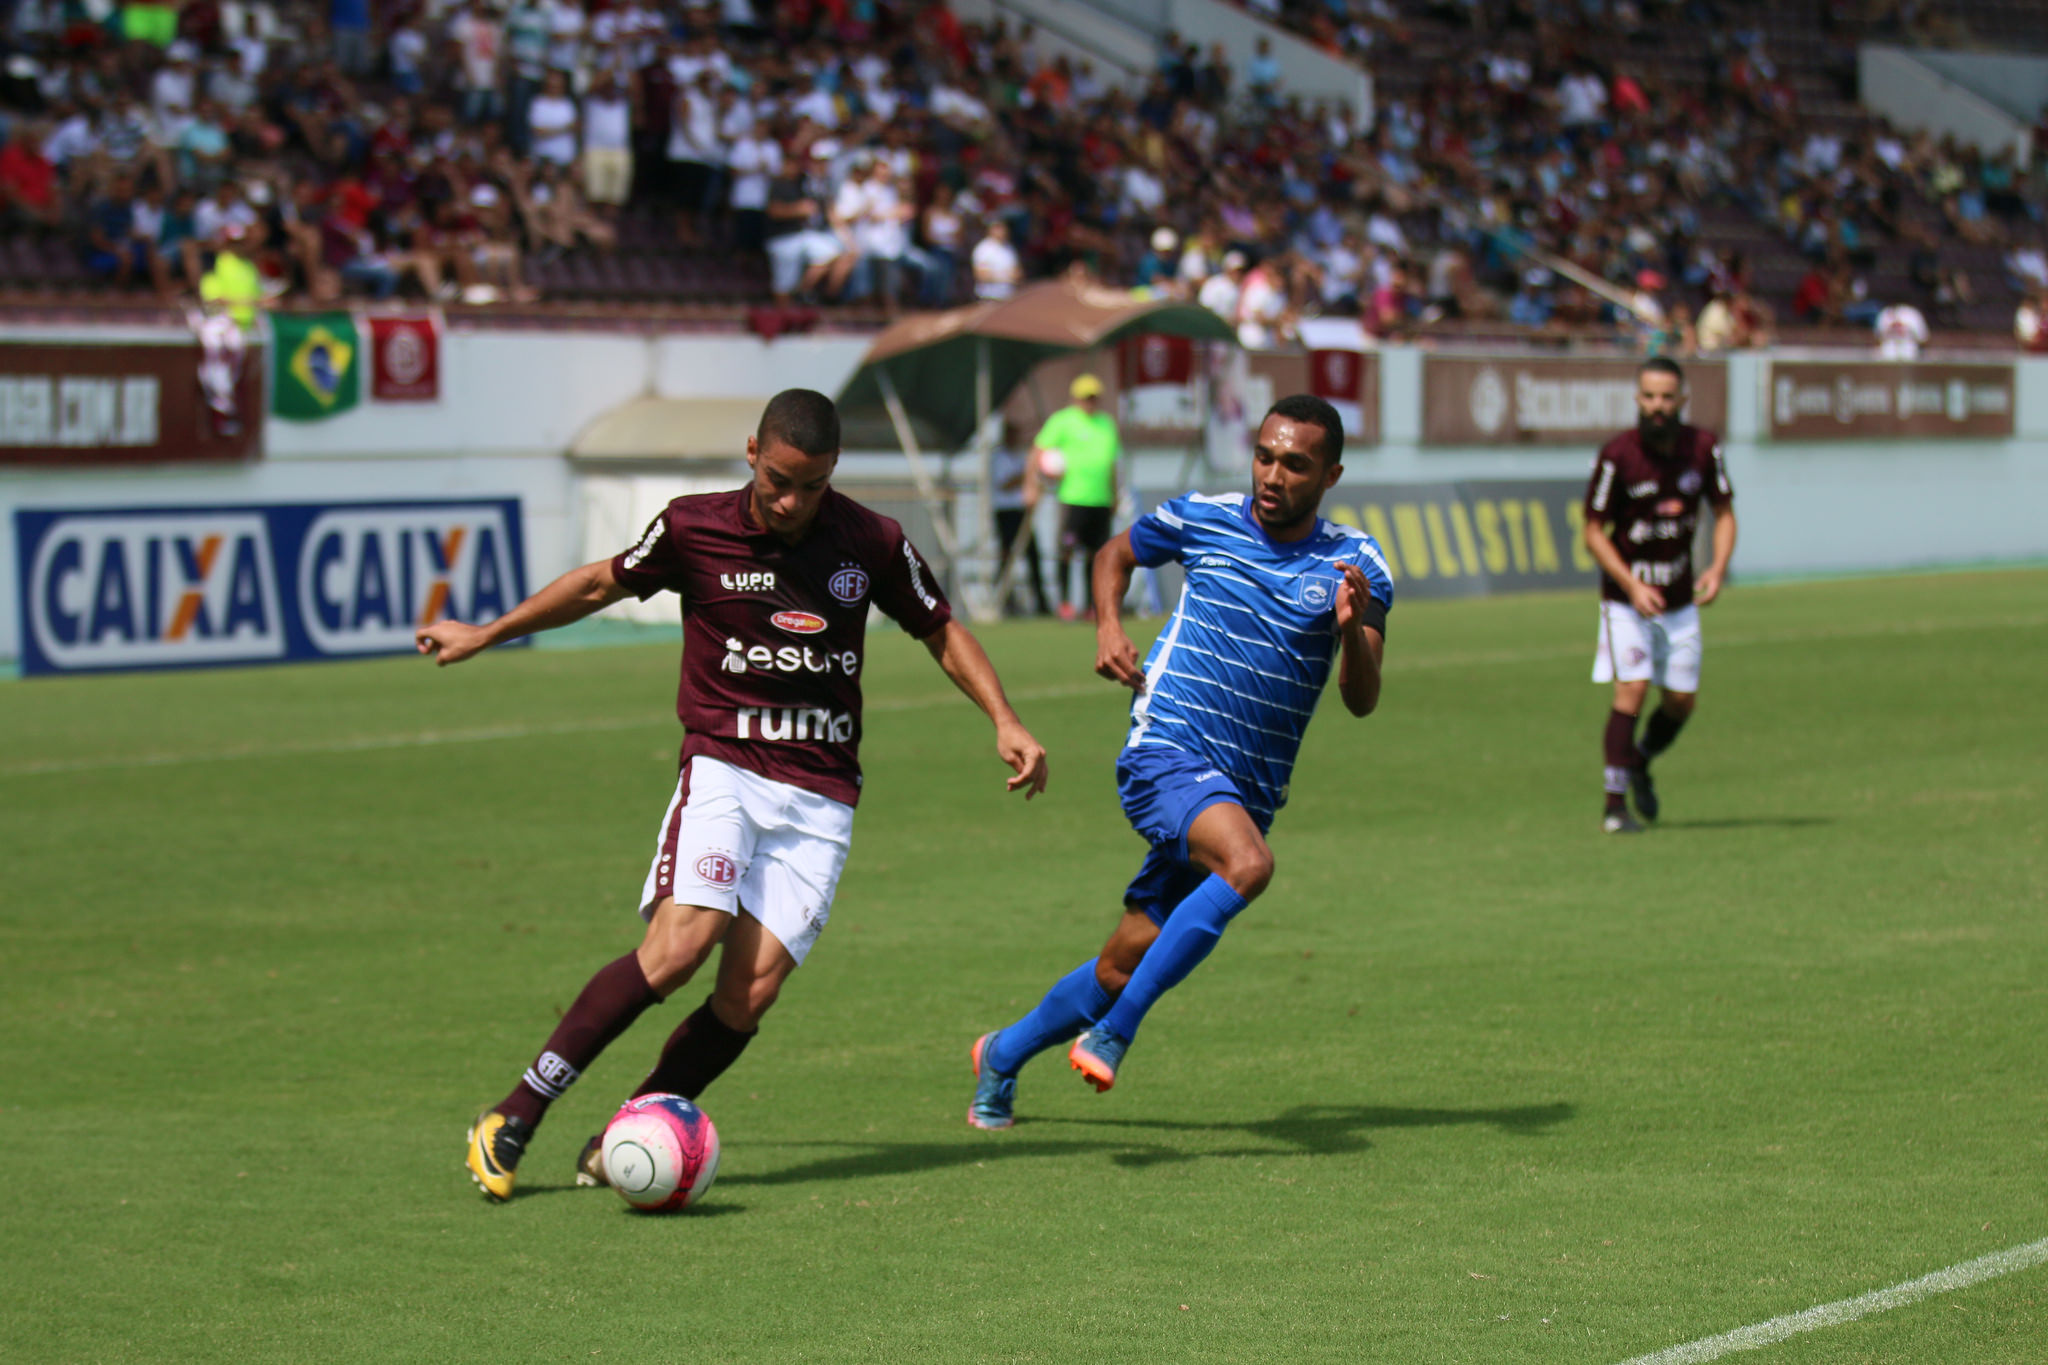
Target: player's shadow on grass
[1328, 1129]
[1750, 822]
[1306, 1130]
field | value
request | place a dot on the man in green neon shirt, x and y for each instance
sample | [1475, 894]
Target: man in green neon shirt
[234, 285]
[1078, 446]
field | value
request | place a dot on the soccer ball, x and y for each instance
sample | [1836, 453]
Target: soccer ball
[660, 1153]
[1052, 463]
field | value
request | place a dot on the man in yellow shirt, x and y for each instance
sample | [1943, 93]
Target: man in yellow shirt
[1078, 446]
[234, 285]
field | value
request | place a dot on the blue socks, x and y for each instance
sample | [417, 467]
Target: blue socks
[1075, 1001]
[1191, 931]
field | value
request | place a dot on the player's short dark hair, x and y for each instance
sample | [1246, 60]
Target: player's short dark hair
[803, 418]
[1662, 364]
[1313, 411]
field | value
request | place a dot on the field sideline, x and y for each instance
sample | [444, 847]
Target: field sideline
[1472, 1083]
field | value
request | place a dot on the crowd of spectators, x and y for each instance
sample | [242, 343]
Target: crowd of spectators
[1541, 135]
[890, 153]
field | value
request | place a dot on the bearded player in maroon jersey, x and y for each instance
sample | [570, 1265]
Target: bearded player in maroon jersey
[776, 579]
[1642, 514]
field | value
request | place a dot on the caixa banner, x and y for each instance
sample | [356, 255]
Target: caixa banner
[179, 587]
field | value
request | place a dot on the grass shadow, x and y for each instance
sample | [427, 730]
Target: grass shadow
[1306, 1130]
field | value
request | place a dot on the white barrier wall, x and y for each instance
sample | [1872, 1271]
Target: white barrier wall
[514, 402]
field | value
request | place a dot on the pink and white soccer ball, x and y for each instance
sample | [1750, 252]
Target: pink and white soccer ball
[660, 1153]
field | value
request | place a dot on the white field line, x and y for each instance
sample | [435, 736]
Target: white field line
[421, 739]
[1848, 1310]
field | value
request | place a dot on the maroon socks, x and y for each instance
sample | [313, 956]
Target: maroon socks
[614, 998]
[1619, 747]
[696, 1054]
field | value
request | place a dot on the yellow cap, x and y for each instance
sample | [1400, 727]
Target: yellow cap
[1086, 386]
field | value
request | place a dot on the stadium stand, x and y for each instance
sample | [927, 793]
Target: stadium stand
[1705, 158]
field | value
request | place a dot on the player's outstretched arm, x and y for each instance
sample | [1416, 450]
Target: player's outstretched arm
[966, 663]
[1116, 658]
[573, 596]
[1358, 665]
[1709, 586]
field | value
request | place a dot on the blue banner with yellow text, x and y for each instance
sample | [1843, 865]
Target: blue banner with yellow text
[1474, 538]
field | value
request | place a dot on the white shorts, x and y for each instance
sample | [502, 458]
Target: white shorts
[1664, 649]
[732, 840]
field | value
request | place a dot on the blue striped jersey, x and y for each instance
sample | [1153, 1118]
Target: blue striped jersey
[1237, 672]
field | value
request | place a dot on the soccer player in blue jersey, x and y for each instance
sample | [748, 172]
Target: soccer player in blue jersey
[1273, 595]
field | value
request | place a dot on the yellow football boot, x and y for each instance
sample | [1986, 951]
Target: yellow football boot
[495, 1145]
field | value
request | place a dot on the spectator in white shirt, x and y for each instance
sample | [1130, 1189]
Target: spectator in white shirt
[2027, 265]
[175, 85]
[997, 271]
[407, 49]
[883, 234]
[1581, 99]
[1383, 232]
[1221, 290]
[695, 153]
[554, 122]
[1901, 332]
[943, 227]
[2030, 322]
[480, 39]
[1264, 315]
[566, 24]
[1143, 194]
[817, 104]
[607, 144]
[753, 159]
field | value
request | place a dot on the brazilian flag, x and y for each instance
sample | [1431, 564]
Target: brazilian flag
[316, 365]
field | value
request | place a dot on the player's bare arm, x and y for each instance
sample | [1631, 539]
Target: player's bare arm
[1642, 596]
[966, 663]
[1358, 666]
[573, 596]
[1116, 658]
[1709, 585]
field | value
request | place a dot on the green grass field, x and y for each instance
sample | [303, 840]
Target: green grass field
[1471, 1084]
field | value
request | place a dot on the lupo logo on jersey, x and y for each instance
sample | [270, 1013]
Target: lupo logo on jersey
[121, 588]
[147, 589]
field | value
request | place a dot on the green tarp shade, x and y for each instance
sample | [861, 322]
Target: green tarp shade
[932, 358]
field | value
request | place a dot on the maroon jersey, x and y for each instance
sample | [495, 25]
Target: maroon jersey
[1653, 505]
[774, 634]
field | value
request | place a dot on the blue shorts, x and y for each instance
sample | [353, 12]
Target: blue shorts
[1163, 790]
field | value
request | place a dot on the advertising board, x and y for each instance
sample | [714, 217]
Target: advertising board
[1837, 401]
[115, 588]
[123, 403]
[1511, 401]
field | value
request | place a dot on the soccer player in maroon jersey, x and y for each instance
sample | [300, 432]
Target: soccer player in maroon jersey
[776, 579]
[1642, 510]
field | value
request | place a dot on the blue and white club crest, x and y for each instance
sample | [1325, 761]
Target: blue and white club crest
[1315, 593]
[850, 584]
